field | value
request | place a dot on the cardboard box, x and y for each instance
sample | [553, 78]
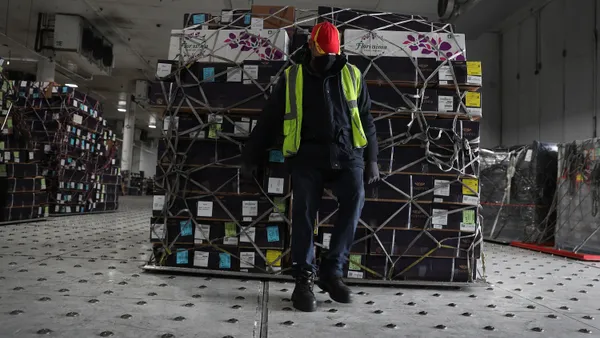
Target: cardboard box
[433, 269]
[456, 190]
[355, 266]
[270, 17]
[206, 72]
[263, 72]
[252, 261]
[454, 217]
[213, 259]
[413, 159]
[417, 243]
[398, 70]
[395, 215]
[462, 73]
[216, 179]
[411, 186]
[369, 20]
[229, 45]
[20, 170]
[404, 44]
[193, 19]
[237, 18]
[161, 93]
[25, 184]
[225, 96]
[202, 152]
[265, 236]
[358, 247]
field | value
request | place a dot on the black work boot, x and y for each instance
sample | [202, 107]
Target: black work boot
[336, 288]
[303, 297]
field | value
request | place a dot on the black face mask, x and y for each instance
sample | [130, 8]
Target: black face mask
[322, 64]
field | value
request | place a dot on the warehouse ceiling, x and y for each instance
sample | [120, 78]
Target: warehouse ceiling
[140, 30]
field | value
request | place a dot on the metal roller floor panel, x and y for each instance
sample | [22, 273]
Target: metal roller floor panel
[84, 277]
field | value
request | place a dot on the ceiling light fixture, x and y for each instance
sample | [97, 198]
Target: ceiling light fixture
[152, 126]
[122, 110]
[72, 85]
[122, 103]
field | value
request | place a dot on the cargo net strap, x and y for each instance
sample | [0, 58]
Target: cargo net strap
[450, 157]
[41, 104]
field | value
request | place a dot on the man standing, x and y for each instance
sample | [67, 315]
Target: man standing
[322, 109]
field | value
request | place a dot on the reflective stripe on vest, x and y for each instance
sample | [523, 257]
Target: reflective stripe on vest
[292, 120]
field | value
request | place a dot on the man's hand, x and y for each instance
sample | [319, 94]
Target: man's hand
[248, 172]
[372, 172]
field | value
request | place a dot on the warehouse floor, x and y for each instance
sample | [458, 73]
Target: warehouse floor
[81, 277]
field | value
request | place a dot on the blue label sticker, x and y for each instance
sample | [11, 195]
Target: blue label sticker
[92, 149]
[273, 233]
[199, 19]
[182, 256]
[224, 261]
[70, 160]
[186, 228]
[209, 74]
[72, 141]
[247, 19]
[93, 136]
[36, 95]
[276, 156]
[65, 89]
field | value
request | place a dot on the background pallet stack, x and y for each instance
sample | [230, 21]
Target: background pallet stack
[205, 215]
[420, 223]
[66, 129]
[23, 194]
[518, 188]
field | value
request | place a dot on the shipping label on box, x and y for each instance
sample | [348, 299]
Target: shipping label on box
[229, 45]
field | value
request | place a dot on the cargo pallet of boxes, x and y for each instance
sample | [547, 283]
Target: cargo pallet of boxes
[420, 223]
[518, 193]
[23, 186]
[73, 146]
[576, 230]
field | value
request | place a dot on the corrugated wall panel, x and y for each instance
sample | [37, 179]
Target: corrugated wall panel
[551, 78]
[528, 86]
[510, 86]
[579, 79]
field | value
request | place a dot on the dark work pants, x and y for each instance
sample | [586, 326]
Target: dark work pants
[308, 184]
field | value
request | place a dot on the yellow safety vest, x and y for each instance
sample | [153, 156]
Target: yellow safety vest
[292, 120]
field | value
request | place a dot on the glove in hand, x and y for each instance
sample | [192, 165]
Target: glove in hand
[372, 172]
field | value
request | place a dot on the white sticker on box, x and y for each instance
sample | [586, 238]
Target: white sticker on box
[250, 208]
[241, 128]
[275, 217]
[356, 274]
[528, 155]
[250, 72]
[442, 188]
[247, 259]
[445, 74]
[47, 148]
[476, 80]
[158, 202]
[438, 227]
[234, 74]
[7, 155]
[326, 240]
[473, 200]
[468, 227]
[205, 209]
[163, 69]
[202, 233]
[77, 119]
[246, 219]
[75, 103]
[440, 217]
[230, 241]
[248, 235]
[226, 16]
[276, 185]
[256, 23]
[158, 231]
[474, 111]
[253, 124]
[214, 118]
[445, 103]
[201, 259]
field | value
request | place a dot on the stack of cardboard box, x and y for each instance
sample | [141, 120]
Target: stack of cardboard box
[421, 222]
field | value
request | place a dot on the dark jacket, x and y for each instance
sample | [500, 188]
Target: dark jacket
[326, 137]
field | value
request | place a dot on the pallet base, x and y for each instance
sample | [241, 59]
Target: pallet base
[283, 278]
[84, 213]
[33, 220]
[557, 252]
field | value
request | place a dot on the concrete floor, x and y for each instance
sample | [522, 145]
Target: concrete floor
[80, 277]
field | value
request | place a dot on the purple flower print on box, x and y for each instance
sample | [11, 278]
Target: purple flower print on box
[433, 44]
[260, 45]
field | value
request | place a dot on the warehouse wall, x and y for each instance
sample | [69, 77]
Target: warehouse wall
[145, 156]
[550, 74]
[486, 48]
